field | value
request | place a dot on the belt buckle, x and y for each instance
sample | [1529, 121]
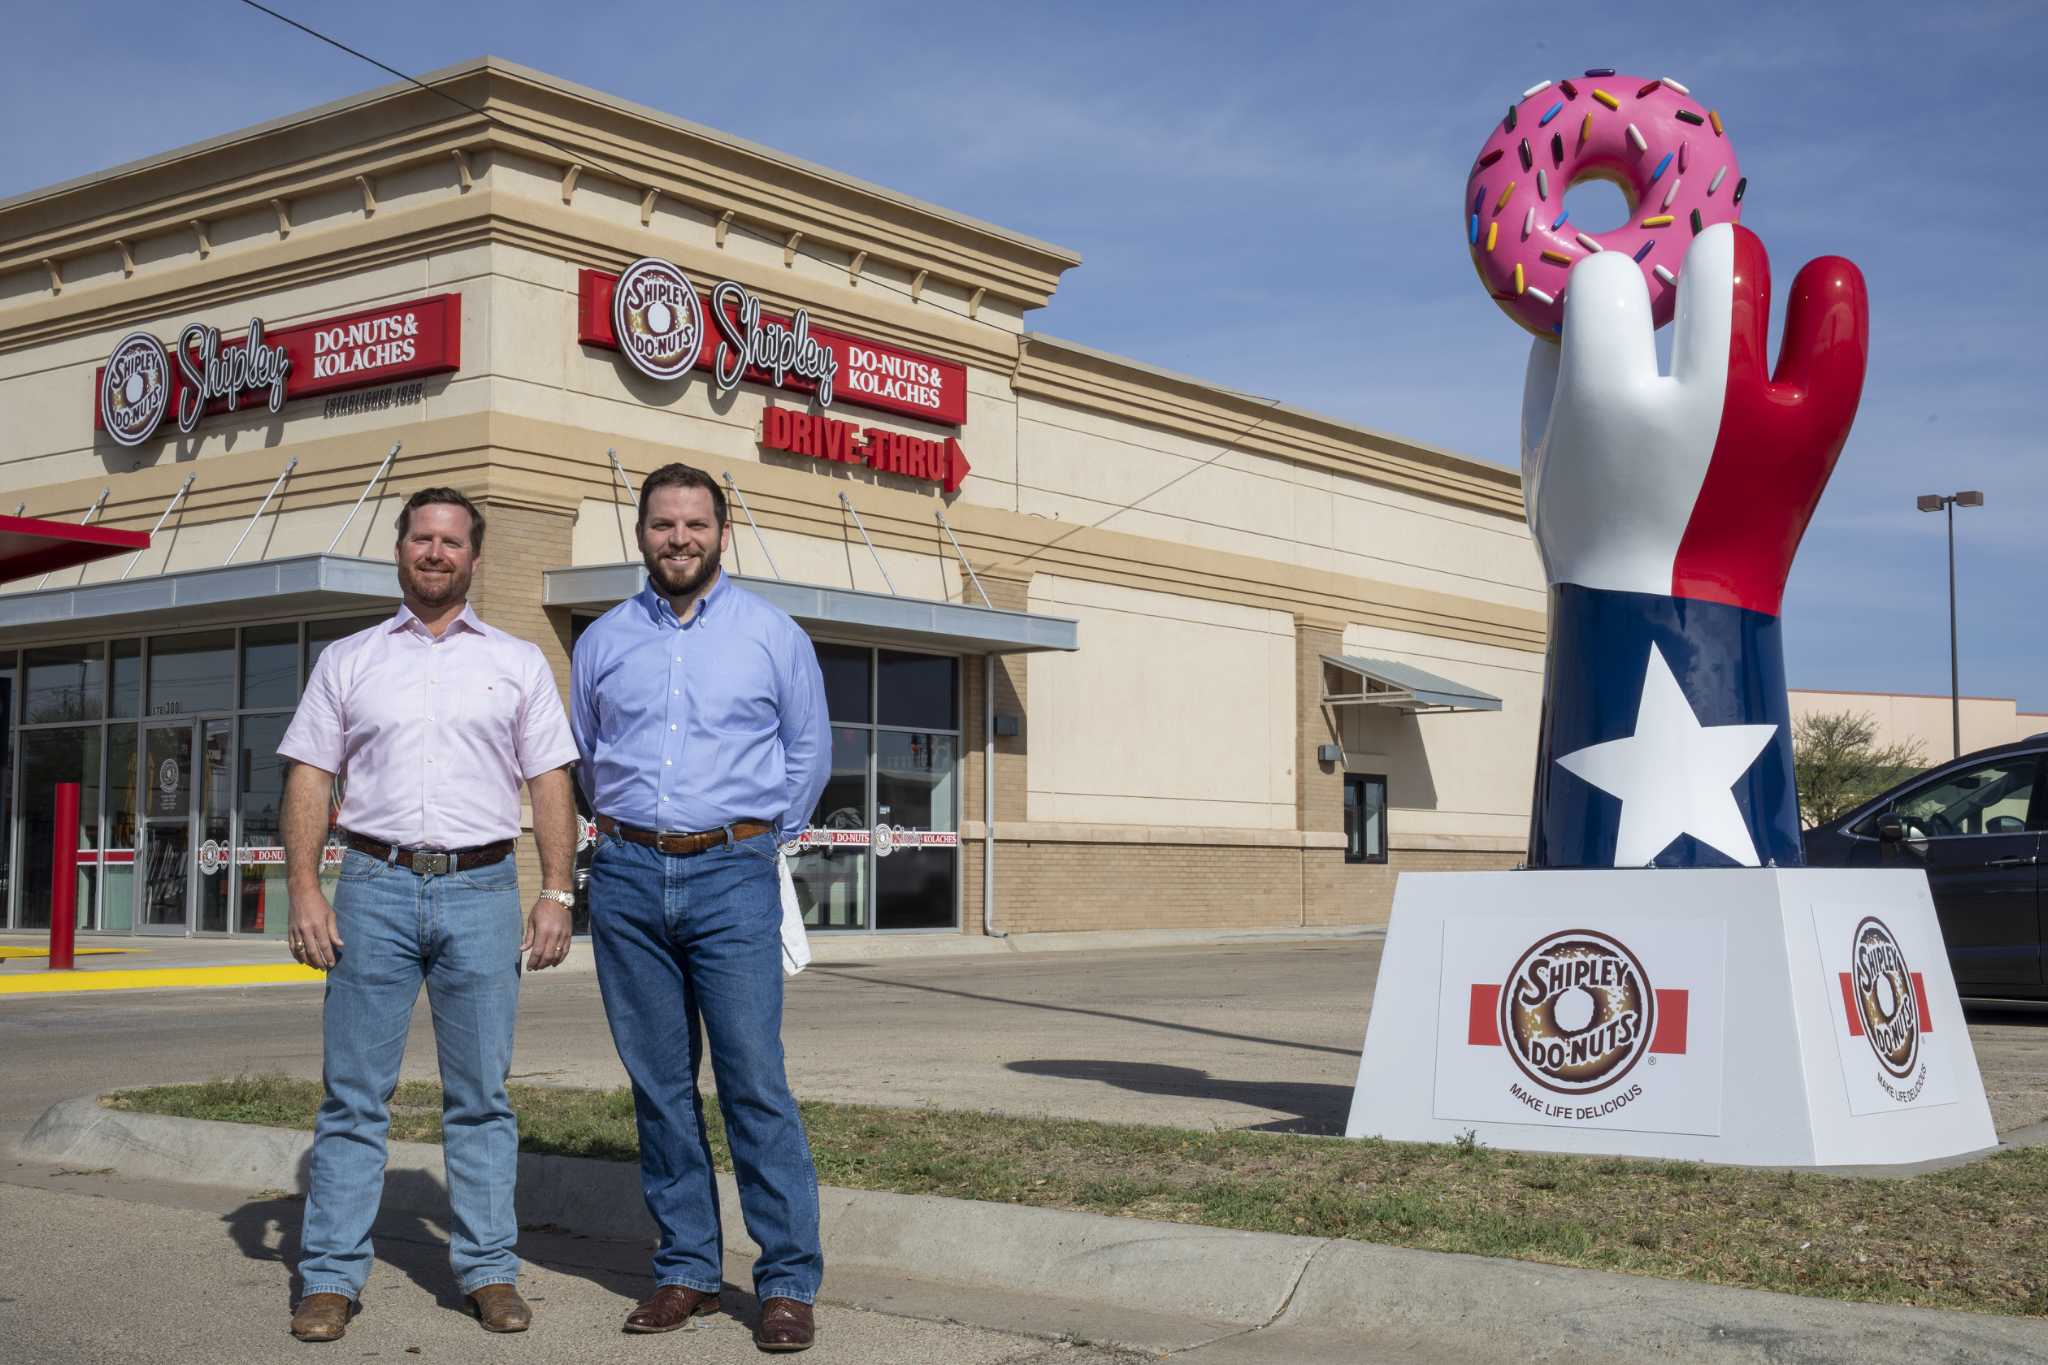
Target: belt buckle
[426, 864]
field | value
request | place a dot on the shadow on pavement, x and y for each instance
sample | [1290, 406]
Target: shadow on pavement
[1318, 1108]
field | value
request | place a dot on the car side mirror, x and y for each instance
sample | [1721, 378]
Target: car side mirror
[1891, 830]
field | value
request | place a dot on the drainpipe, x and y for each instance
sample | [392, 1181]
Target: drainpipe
[988, 796]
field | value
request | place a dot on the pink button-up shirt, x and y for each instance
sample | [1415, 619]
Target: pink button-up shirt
[431, 737]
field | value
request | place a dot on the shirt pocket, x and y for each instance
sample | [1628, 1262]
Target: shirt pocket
[490, 705]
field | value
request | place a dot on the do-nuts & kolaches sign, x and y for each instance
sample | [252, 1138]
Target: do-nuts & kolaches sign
[144, 381]
[658, 320]
[1608, 1025]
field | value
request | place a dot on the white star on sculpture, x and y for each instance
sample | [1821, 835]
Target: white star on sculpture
[1674, 776]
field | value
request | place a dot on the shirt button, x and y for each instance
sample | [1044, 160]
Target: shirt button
[666, 762]
[679, 658]
[670, 727]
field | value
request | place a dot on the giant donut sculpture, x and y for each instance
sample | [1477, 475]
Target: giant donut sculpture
[1671, 158]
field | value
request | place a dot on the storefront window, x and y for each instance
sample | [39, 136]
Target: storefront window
[7, 690]
[191, 673]
[918, 689]
[832, 877]
[916, 863]
[270, 665]
[126, 699]
[117, 856]
[265, 907]
[49, 757]
[65, 683]
[216, 778]
[320, 634]
[847, 669]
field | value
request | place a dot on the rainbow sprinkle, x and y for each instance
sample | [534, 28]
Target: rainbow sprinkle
[1714, 117]
[1510, 123]
[1645, 249]
[1536, 89]
[1490, 158]
[1571, 92]
[1661, 273]
[1600, 71]
[1648, 89]
[1527, 160]
[1520, 282]
[1586, 128]
[1671, 193]
[1558, 222]
[1635, 135]
[1542, 186]
[1605, 98]
[1557, 258]
[1479, 199]
[1684, 148]
[1492, 235]
[1660, 220]
[1472, 231]
[1662, 166]
[1718, 177]
[1529, 222]
[1697, 225]
[1550, 113]
[1674, 85]
[1591, 246]
[1688, 116]
[1505, 195]
[1741, 187]
[1540, 296]
[1557, 148]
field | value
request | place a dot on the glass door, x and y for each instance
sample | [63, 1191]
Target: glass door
[167, 802]
[215, 832]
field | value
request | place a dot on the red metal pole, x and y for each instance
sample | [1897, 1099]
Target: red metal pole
[64, 878]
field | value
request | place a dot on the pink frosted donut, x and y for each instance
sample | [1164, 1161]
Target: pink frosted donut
[1671, 158]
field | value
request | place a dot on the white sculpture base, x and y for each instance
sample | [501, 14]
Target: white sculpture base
[1782, 1017]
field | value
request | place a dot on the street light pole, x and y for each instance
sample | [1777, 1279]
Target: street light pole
[1937, 502]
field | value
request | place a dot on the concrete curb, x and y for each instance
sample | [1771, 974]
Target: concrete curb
[1252, 1292]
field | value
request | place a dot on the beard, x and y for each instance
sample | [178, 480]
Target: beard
[673, 581]
[453, 588]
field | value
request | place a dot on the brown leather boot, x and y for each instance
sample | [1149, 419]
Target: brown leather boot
[322, 1317]
[672, 1306]
[500, 1309]
[786, 1325]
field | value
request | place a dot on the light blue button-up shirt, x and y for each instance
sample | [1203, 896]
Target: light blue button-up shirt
[694, 726]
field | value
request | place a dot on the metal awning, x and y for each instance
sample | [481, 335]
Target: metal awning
[202, 597]
[1404, 687]
[870, 617]
[30, 546]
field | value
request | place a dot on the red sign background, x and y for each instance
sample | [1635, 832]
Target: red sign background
[436, 348]
[949, 380]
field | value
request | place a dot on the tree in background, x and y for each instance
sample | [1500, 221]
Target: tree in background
[1838, 764]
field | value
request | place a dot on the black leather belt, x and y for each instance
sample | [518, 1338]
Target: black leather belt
[431, 862]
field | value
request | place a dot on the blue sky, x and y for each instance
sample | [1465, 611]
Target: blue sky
[1269, 198]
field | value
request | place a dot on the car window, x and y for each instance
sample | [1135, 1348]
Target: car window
[1992, 799]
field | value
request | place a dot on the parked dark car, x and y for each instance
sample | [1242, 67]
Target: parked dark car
[1975, 826]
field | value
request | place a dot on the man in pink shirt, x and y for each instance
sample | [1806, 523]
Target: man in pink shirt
[432, 720]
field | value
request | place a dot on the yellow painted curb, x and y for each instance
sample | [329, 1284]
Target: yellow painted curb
[8, 951]
[156, 978]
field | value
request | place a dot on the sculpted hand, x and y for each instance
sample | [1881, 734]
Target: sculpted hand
[1667, 510]
[547, 934]
[313, 934]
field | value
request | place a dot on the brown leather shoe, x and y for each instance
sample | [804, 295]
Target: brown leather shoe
[322, 1317]
[500, 1309]
[672, 1306]
[786, 1325]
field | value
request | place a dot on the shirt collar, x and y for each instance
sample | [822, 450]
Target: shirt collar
[661, 613]
[406, 620]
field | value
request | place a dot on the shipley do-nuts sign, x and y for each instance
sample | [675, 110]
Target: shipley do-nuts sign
[207, 372]
[1614, 1026]
[656, 318]
[1884, 1023]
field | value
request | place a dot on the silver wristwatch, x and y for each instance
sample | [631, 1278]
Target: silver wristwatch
[567, 898]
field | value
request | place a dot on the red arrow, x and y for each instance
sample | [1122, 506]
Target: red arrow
[956, 465]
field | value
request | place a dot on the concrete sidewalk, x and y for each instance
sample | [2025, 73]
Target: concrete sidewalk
[1172, 1289]
[105, 962]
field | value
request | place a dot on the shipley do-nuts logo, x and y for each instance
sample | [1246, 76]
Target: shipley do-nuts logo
[136, 389]
[656, 317]
[1885, 998]
[1577, 1012]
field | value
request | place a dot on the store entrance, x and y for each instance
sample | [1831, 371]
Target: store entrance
[186, 840]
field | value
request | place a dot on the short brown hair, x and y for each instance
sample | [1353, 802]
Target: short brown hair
[682, 476]
[427, 497]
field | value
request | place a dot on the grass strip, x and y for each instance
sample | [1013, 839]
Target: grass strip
[1975, 1237]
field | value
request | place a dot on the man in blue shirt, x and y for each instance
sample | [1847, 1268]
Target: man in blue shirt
[699, 710]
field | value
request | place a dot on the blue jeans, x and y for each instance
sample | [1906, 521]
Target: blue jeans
[683, 940]
[460, 934]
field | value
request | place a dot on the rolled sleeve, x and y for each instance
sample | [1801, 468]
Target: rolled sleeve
[316, 735]
[544, 741]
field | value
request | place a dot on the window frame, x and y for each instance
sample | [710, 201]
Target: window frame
[1363, 854]
[2037, 801]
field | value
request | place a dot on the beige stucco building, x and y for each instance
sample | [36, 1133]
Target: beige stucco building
[1929, 721]
[1247, 662]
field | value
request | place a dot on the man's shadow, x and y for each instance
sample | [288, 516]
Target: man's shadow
[1318, 1108]
[410, 1234]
